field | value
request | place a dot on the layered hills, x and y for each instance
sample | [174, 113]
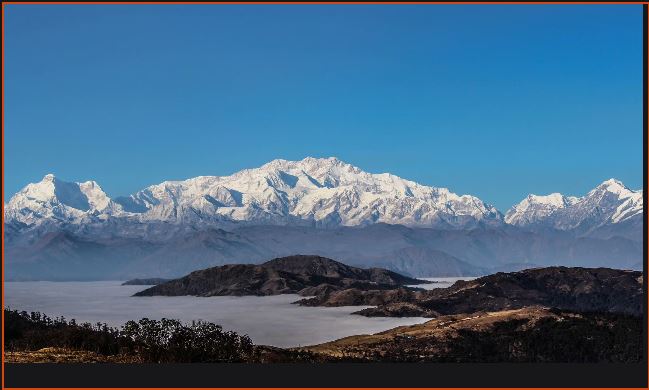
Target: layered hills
[330, 283]
[59, 230]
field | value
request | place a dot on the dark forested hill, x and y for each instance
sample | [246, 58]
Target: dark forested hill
[306, 275]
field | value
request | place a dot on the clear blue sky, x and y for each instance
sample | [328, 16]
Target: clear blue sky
[497, 101]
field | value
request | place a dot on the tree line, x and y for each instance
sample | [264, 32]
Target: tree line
[154, 341]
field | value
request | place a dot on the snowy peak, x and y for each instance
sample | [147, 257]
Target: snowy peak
[611, 202]
[537, 207]
[313, 191]
[320, 172]
[554, 200]
[96, 198]
[42, 191]
[310, 164]
[52, 190]
[613, 189]
[55, 199]
[324, 192]
[612, 185]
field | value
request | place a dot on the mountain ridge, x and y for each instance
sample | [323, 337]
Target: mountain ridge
[413, 251]
[609, 203]
[324, 192]
[56, 230]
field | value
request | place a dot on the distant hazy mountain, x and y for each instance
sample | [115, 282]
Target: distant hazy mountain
[60, 230]
[64, 256]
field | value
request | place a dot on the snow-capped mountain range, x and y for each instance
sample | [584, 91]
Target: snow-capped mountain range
[321, 192]
[607, 204]
[56, 230]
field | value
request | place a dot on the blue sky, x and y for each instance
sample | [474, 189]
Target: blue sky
[497, 101]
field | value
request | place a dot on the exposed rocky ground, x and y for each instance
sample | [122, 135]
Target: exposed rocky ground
[554, 314]
[304, 275]
[576, 289]
[531, 334]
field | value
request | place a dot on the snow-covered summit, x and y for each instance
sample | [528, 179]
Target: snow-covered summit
[57, 200]
[537, 207]
[611, 202]
[317, 191]
[325, 192]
